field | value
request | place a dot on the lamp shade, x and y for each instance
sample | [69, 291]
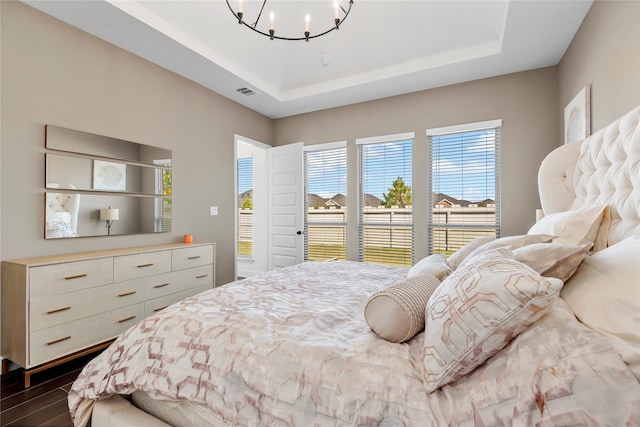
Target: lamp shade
[109, 214]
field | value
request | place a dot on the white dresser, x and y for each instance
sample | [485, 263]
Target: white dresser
[60, 307]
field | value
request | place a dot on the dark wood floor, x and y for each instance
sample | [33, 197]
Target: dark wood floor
[45, 402]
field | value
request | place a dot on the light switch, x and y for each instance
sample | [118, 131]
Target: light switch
[214, 210]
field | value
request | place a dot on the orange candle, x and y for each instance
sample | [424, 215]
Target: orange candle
[188, 238]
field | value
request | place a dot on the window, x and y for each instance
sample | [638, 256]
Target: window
[245, 206]
[163, 205]
[325, 167]
[463, 168]
[385, 213]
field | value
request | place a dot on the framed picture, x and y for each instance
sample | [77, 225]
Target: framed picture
[109, 176]
[577, 117]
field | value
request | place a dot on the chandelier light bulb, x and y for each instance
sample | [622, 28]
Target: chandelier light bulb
[338, 11]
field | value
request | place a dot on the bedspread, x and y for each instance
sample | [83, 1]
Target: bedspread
[292, 348]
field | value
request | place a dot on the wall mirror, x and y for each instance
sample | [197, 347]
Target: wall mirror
[100, 186]
[75, 141]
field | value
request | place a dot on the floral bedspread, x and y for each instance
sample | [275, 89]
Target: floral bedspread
[292, 348]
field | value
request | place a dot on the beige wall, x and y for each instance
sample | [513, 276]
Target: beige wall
[605, 53]
[54, 73]
[526, 102]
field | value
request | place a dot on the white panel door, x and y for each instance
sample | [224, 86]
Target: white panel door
[286, 206]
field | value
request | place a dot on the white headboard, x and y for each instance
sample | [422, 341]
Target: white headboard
[604, 169]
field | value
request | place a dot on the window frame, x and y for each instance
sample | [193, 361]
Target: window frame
[327, 146]
[360, 143]
[460, 129]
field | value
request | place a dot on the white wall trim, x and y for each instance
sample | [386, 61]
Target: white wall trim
[325, 146]
[467, 127]
[386, 138]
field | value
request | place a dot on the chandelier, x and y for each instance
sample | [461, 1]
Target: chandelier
[338, 11]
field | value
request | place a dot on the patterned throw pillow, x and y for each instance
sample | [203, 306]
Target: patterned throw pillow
[396, 313]
[477, 310]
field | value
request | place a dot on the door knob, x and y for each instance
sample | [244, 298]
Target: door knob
[298, 232]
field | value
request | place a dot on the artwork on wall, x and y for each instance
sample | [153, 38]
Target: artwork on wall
[109, 176]
[577, 117]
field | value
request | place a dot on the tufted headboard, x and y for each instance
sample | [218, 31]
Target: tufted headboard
[604, 169]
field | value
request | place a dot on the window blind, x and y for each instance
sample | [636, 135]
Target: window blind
[325, 221]
[385, 226]
[245, 206]
[463, 167]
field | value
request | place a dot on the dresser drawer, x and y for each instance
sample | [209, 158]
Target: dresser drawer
[182, 280]
[191, 257]
[57, 309]
[158, 304]
[128, 267]
[71, 276]
[60, 340]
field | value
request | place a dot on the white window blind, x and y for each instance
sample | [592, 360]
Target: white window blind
[245, 206]
[465, 195]
[385, 213]
[163, 205]
[325, 221]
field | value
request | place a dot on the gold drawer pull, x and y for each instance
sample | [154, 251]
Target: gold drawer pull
[57, 310]
[145, 265]
[161, 308]
[201, 276]
[77, 276]
[59, 340]
[126, 319]
[194, 257]
[161, 286]
[127, 293]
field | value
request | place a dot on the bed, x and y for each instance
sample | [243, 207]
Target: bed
[538, 329]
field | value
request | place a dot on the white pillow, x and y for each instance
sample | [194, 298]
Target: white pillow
[512, 242]
[58, 224]
[553, 259]
[477, 310]
[459, 256]
[435, 265]
[575, 227]
[54, 218]
[604, 293]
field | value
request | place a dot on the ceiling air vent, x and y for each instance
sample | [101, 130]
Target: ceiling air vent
[246, 91]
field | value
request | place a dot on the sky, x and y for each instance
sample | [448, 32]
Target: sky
[471, 152]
